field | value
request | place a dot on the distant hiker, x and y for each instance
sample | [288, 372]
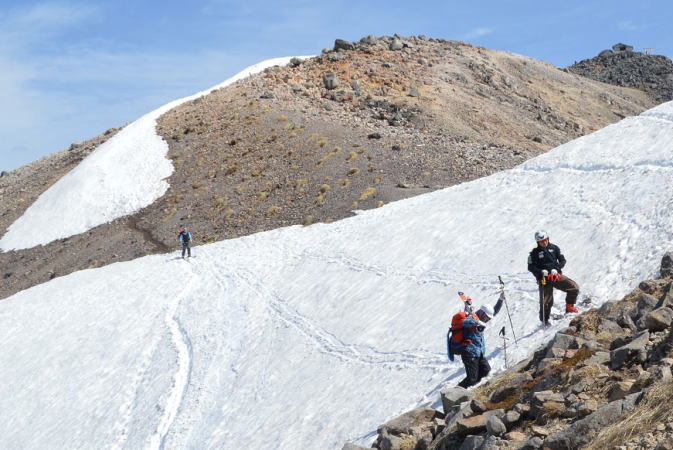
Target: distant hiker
[466, 338]
[545, 262]
[185, 237]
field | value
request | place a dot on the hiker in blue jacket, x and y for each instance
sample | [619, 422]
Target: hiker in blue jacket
[185, 237]
[472, 349]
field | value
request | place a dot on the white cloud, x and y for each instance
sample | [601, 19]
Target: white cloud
[477, 33]
[627, 25]
[28, 25]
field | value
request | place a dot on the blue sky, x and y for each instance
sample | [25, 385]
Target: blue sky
[69, 70]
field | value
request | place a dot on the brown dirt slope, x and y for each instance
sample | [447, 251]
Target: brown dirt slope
[280, 148]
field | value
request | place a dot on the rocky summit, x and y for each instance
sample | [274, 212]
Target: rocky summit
[622, 66]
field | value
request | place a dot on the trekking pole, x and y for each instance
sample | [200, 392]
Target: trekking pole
[504, 344]
[502, 292]
[543, 310]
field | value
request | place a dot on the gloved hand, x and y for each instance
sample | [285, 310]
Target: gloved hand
[554, 275]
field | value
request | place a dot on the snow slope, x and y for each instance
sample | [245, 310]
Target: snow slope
[305, 337]
[120, 177]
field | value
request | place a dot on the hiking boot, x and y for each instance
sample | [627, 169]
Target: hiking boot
[571, 308]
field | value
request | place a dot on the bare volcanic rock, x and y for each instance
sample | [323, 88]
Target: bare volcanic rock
[650, 73]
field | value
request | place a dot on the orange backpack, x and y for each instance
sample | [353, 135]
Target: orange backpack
[457, 341]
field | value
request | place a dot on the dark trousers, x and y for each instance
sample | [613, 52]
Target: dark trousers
[188, 247]
[476, 368]
[566, 285]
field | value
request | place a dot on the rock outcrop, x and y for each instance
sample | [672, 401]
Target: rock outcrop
[622, 66]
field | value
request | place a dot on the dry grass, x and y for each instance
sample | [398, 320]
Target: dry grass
[369, 192]
[589, 321]
[656, 408]
[272, 211]
[581, 355]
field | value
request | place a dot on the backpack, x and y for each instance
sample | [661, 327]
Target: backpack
[457, 342]
[184, 237]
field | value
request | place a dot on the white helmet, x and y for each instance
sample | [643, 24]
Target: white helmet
[541, 235]
[487, 310]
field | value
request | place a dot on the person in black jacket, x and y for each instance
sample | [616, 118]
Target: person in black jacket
[546, 262]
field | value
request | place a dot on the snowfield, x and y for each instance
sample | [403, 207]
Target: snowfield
[120, 177]
[306, 337]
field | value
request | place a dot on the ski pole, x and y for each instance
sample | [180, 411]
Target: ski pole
[467, 302]
[502, 287]
[504, 344]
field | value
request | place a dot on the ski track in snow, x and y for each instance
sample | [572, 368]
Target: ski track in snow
[438, 276]
[182, 377]
[330, 344]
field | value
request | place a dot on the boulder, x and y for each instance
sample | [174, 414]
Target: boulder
[619, 390]
[476, 424]
[667, 297]
[387, 441]
[336, 56]
[648, 286]
[667, 265]
[396, 44]
[477, 406]
[532, 444]
[341, 44]
[625, 321]
[454, 396]
[495, 426]
[472, 443]
[597, 359]
[418, 417]
[555, 352]
[645, 304]
[368, 40]
[610, 326]
[659, 319]
[331, 81]
[563, 341]
[523, 409]
[633, 351]
[661, 373]
[586, 408]
[547, 396]
[580, 433]
[546, 364]
[511, 418]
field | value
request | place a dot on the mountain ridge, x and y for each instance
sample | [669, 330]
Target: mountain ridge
[389, 145]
